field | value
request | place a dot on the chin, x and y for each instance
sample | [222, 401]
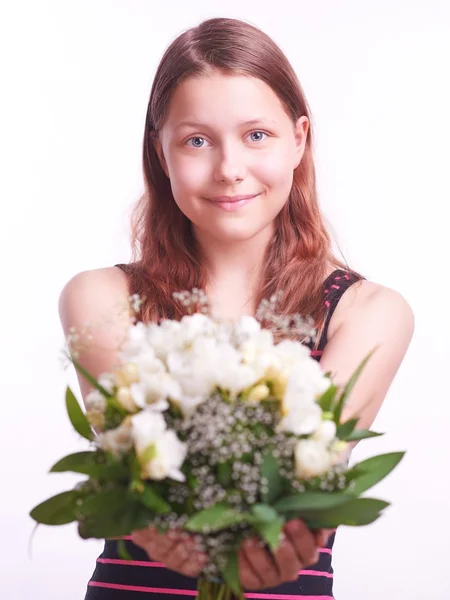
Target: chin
[235, 234]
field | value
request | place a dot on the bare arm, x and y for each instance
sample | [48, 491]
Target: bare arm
[369, 316]
[98, 297]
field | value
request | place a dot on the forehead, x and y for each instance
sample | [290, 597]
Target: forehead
[230, 99]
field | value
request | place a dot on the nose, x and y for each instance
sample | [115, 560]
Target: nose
[230, 166]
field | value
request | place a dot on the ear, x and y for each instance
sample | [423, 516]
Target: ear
[300, 133]
[160, 153]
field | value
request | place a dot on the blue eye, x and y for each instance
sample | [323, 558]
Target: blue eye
[197, 137]
[263, 133]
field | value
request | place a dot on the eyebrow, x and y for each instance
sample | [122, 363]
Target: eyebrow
[240, 124]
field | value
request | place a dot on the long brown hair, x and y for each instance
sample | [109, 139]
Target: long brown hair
[166, 257]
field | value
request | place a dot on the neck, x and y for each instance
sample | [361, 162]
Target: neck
[234, 270]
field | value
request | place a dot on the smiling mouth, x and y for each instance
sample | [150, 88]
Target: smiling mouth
[232, 198]
[232, 203]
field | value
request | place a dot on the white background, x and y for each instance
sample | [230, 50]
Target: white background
[75, 80]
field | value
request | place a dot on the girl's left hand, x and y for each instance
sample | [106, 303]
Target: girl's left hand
[259, 569]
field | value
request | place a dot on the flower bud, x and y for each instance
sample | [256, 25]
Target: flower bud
[339, 451]
[126, 375]
[312, 459]
[326, 432]
[258, 393]
[125, 399]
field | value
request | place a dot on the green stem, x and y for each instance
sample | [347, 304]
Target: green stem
[208, 590]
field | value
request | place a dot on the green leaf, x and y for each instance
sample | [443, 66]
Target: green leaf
[308, 501]
[270, 531]
[361, 434]
[230, 574]
[90, 378]
[122, 550]
[359, 511]
[270, 471]
[337, 410]
[376, 469]
[57, 510]
[216, 517]
[115, 518]
[326, 400]
[77, 416]
[263, 513]
[153, 501]
[345, 429]
[104, 503]
[96, 464]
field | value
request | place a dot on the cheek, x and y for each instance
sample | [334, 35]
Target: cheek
[189, 172]
[275, 173]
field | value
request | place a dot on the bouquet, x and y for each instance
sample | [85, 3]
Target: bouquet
[220, 429]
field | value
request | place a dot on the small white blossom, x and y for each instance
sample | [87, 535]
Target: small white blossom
[107, 381]
[154, 389]
[312, 459]
[95, 402]
[125, 399]
[119, 440]
[301, 419]
[326, 432]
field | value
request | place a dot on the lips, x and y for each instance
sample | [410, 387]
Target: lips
[232, 198]
[232, 203]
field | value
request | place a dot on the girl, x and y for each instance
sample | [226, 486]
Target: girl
[231, 207]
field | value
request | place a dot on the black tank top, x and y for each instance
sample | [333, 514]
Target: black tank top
[116, 579]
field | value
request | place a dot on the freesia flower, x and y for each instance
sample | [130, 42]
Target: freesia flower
[312, 459]
[118, 440]
[159, 451]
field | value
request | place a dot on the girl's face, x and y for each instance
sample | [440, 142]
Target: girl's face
[227, 136]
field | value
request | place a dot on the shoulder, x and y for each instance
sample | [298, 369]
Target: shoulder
[90, 283]
[89, 295]
[368, 300]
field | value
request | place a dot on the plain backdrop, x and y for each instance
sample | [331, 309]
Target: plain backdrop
[75, 80]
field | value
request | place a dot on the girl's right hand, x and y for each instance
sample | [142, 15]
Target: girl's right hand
[176, 549]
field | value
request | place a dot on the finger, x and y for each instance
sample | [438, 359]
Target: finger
[261, 562]
[194, 565]
[248, 578]
[183, 558]
[303, 541]
[287, 561]
[322, 536]
[157, 545]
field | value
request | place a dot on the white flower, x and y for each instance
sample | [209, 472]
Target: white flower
[107, 381]
[95, 402]
[340, 452]
[312, 459]
[154, 389]
[159, 451]
[301, 419]
[136, 338]
[293, 353]
[118, 441]
[164, 337]
[246, 327]
[305, 384]
[326, 432]
[125, 398]
[195, 326]
[258, 352]
[126, 374]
